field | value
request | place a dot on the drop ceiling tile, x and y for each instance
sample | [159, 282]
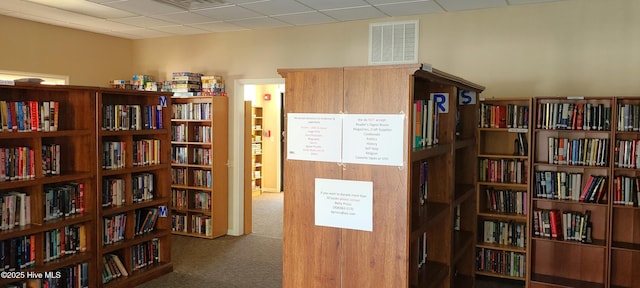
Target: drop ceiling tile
[185, 18]
[109, 25]
[180, 30]
[410, 8]
[228, 13]
[218, 27]
[379, 2]
[142, 21]
[458, 5]
[144, 7]
[277, 7]
[305, 18]
[240, 2]
[359, 13]
[333, 4]
[86, 8]
[260, 23]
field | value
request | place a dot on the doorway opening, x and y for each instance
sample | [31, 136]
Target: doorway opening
[266, 96]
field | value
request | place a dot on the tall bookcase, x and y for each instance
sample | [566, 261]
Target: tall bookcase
[133, 164]
[199, 191]
[393, 252]
[570, 209]
[624, 256]
[48, 157]
[503, 187]
[256, 150]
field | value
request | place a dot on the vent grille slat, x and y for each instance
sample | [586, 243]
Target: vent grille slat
[393, 43]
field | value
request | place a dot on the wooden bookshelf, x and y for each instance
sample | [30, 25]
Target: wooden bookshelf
[133, 184]
[625, 212]
[560, 172]
[199, 127]
[316, 255]
[503, 150]
[256, 150]
[75, 135]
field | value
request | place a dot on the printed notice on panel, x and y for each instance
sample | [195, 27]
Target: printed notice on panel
[376, 139]
[314, 137]
[344, 204]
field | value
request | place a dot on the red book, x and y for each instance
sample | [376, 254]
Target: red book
[580, 117]
[587, 188]
[503, 116]
[35, 118]
[553, 223]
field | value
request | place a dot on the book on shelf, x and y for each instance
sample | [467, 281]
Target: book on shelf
[502, 170]
[145, 254]
[504, 233]
[494, 115]
[425, 117]
[562, 225]
[113, 228]
[422, 250]
[28, 116]
[17, 163]
[626, 191]
[145, 220]
[578, 152]
[62, 201]
[573, 116]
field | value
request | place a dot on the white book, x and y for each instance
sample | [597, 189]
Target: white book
[551, 148]
[430, 123]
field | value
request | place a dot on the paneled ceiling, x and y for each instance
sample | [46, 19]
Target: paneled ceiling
[139, 19]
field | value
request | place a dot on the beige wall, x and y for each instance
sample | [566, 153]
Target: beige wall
[87, 58]
[270, 145]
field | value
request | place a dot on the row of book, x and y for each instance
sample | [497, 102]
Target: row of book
[29, 116]
[199, 156]
[202, 200]
[578, 152]
[18, 253]
[117, 117]
[113, 268]
[627, 154]
[568, 186]
[562, 225]
[15, 210]
[425, 118]
[203, 178]
[113, 228]
[145, 254]
[574, 116]
[51, 159]
[179, 222]
[17, 163]
[146, 152]
[504, 233]
[520, 145]
[628, 117]
[626, 191]
[506, 201]
[179, 176]
[201, 224]
[145, 220]
[75, 276]
[501, 262]
[179, 198]
[114, 155]
[179, 133]
[503, 116]
[179, 155]
[62, 201]
[503, 170]
[113, 192]
[191, 111]
[64, 241]
[142, 187]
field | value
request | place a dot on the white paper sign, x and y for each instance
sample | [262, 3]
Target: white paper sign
[375, 139]
[314, 137]
[344, 204]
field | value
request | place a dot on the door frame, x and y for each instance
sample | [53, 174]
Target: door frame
[236, 194]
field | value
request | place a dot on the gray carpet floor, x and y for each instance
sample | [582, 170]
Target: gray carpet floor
[249, 261]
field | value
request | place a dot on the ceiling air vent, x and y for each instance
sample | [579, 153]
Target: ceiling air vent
[393, 43]
[189, 4]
